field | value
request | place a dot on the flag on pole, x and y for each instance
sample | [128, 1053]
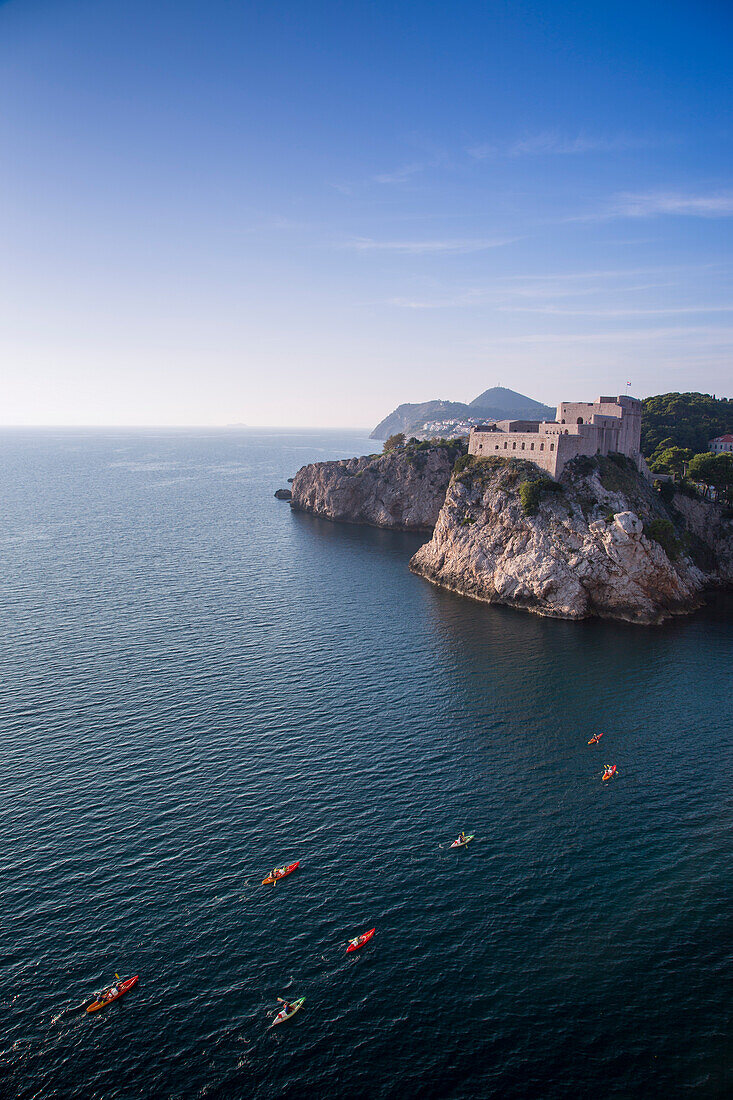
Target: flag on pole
[628, 383]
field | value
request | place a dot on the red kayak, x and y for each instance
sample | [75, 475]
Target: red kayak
[278, 873]
[354, 945]
[112, 994]
[595, 738]
[609, 773]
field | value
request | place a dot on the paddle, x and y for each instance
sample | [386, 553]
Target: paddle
[282, 1002]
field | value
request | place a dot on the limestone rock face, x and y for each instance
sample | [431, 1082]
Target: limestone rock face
[713, 533]
[590, 548]
[403, 490]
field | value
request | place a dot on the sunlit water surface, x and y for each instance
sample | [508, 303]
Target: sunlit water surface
[197, 684]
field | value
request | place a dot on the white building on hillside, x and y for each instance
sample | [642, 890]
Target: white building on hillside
[721, 444]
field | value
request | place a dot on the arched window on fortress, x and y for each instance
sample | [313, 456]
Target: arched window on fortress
[505, 446]
[523, 446]
[481, 446]
[514, 446]
[562, 421]
[552, 446]
[531, 446]
[580, 419]
[542, 446]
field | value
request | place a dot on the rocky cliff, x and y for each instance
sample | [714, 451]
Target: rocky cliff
[402, 489]
[599, 542]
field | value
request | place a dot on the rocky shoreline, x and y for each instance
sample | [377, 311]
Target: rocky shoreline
[600, 542]
[402, 490]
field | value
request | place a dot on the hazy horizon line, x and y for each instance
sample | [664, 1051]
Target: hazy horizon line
[188, 427]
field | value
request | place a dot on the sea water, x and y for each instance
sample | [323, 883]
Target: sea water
[198, 684]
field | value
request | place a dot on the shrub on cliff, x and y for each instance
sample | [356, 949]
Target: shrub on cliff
[666, 490]
[618, 474]
[394, 442]
[663, 532]
[583, 464]
[462, 463]
[471, 470]
[531, 493]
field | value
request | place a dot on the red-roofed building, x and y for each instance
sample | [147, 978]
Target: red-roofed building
[722, 443]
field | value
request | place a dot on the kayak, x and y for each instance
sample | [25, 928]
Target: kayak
[285, 1013]
[107, 997]
[609, 773]
[462, 843]
[595, 738]
[354, 945]
[278, 873]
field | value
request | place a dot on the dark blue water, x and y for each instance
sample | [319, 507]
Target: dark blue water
[197, 684]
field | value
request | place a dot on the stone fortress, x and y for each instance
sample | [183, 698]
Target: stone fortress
[611, 424]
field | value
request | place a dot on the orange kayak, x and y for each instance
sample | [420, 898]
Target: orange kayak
[354, 945]
[609, 773]
[278, 873]
[595, 738]
[113, 994]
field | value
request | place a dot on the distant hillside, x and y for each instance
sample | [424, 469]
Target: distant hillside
[683, 420]
[406, 417]
[507, 404]
[494, 404]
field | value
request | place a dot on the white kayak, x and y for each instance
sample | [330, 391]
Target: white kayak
[462, 843]
[288, 1011]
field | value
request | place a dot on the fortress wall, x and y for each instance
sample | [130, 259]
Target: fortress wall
[530, 445]
[587, 441]
[516, 444]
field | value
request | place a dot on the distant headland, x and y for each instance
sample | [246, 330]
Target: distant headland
[450, 419]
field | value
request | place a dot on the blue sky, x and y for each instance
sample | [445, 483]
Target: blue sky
[306, 213]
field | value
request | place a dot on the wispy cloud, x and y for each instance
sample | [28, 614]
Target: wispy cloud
[708, 333]
[467, 298]
[650, 203]
[556, 311]
[425, 154]
[401, 175]
[455, 246]
[538, 293]
[554, 143]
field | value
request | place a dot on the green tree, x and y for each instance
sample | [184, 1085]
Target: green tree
[672, 461]
[394, 442]
[688, 420]
[714, 472]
